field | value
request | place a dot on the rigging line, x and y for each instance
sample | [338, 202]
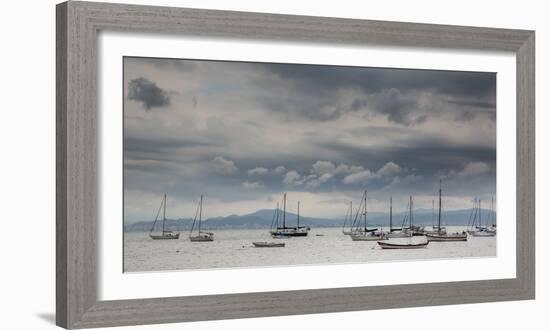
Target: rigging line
[471, 213]
[194, 220]
[157, 217]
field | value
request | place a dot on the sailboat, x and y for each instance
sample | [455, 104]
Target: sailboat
[477, 228]
[200, 236]
[298, 231]
[435, 229]
[443, 236]
[491, 219]
[275, 224]
[166, 234]
[364, 233]
[403, 231]
[348, 217]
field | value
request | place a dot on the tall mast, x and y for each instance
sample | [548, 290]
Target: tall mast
[351, 215]
[411, 212]
[298, 217]
[284, 210]
[433, 212]
[480, 220]
[277, 216]
[365, 209]
[439, 215]
[391, 215]
[200, 215]
[164, 214]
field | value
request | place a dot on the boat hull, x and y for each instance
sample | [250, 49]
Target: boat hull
[357, 238]
[395, 246]
[202, 237]
[447, 238]
[165, 236]
[484, 234]
[268, 244]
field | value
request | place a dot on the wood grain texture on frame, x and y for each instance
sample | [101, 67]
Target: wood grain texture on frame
[77, 183]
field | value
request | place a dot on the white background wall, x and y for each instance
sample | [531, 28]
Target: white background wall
[27, 166]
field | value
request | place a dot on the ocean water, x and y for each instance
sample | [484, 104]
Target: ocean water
[233, 248]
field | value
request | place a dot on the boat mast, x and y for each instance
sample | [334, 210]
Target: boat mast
[164, 214]
[480, 220]
[439, 215]
[298, 216]
[350, 215]
[277, 216]
[200, 215]
[433, 212]
[410, 212]
[284, 210]
[391, 224]
[365, 211]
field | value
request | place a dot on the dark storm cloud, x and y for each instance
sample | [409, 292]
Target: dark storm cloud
[148, 93]
[393, 93]
[323, 78]
[243, 133]
[136, 144]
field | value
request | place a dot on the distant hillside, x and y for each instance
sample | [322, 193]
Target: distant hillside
[262, 219]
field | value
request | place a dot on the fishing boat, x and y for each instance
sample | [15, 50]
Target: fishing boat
[409, 245]
[268, 244]
[165, 234]
[403, 231]
[348, 219]
[443, 236]
[284, 230]
[364, 233]
[199, 235]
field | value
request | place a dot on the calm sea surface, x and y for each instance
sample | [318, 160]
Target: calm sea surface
[233, 248]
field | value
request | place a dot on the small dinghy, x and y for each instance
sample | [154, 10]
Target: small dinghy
[386, 245]
[268, 244]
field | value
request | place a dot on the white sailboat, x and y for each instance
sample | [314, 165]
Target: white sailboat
[364, 233]
[199, 236]
[403, 231]
[478, 229]
[165, 234]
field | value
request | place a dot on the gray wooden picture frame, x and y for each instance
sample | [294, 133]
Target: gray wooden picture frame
[78, 24]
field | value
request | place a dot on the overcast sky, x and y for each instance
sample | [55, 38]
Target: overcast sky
[244, 133]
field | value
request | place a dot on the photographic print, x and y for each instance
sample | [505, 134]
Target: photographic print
[245, 164]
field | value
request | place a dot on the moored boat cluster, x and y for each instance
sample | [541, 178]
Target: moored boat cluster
[355, 226]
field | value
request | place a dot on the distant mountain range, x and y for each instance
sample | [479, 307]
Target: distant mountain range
[262, 219]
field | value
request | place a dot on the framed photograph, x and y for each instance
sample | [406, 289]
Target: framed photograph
[217, 165]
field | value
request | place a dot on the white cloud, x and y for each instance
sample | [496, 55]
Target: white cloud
[389, 169]
[359, 177]
[347, 169]
[279, 170]
[323, 167]
[474, 168]
[293, 178]
[398, 181]
[258, 171]
[318, 181]
[252, 185]
[224, 166]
